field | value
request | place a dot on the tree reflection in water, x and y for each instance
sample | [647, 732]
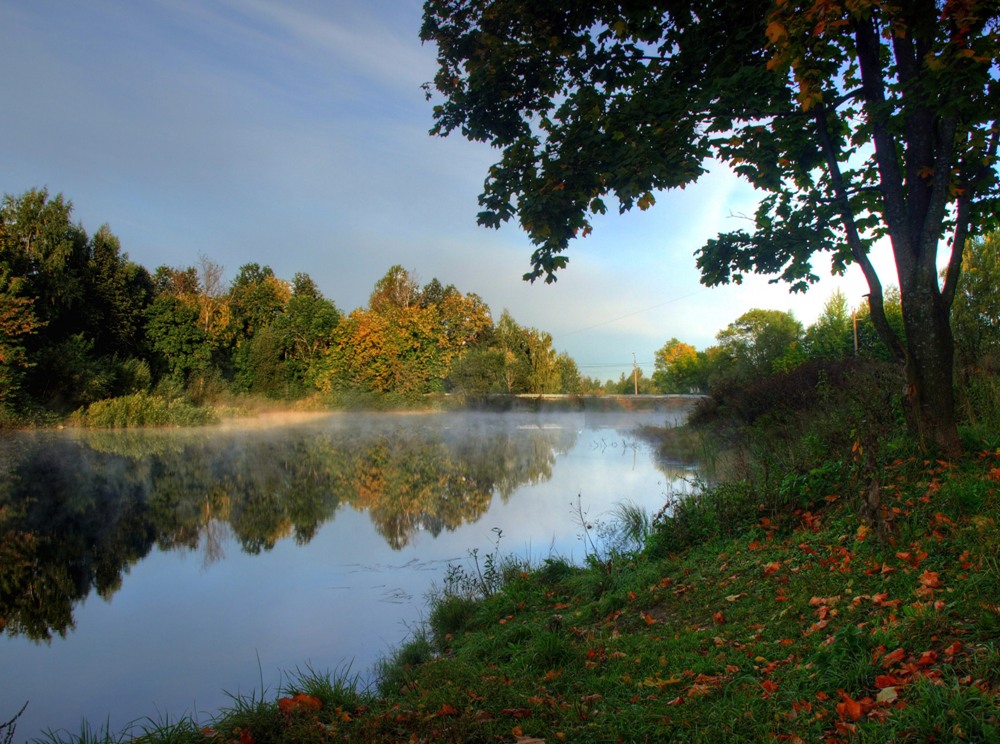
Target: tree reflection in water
[78, 509]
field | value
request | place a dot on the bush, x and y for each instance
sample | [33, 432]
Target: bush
[788, 435]
[133, 376]
[718, 511]
[141, 409]
[784, 443]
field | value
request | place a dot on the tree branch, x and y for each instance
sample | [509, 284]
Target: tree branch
[875, 297]
[962, 218]
[893, 190]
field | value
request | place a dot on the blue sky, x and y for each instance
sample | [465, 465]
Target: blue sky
[294, 134]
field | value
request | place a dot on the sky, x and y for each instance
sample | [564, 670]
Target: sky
[294, 134]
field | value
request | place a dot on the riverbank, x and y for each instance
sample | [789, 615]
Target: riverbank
[143, 410]
[810, 625]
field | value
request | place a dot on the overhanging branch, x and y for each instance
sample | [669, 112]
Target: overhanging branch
[854, 242]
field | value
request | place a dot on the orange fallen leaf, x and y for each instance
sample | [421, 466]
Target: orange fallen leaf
[895, 656]
[848, 707]
[771, 568]
[719, 618]
[930, 579]
[299, 703]
[885, 680]
[845, 728]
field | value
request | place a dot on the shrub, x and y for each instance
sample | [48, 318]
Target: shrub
[141, 409]
[718, 511]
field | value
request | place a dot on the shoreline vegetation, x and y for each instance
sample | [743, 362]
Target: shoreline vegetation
[139, 410]
[829, 583]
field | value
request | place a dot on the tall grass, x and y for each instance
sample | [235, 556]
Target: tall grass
[7, 729]
[142, 409]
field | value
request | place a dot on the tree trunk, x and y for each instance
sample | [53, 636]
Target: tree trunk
[930, 392]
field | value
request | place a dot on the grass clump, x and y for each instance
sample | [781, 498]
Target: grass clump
[142, 409]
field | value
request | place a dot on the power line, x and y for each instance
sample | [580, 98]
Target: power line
[627, 315]
[604, 365]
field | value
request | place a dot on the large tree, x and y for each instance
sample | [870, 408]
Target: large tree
[857, 119]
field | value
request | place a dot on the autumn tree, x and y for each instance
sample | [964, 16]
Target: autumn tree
[465, 318]
[408, 340]
[857, 120]
[570, 380]
[678, 368]
[396, 351]
[398, 288]
[256, 298]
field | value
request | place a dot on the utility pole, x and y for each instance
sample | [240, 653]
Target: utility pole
[855, 333]
[635, 373]
[869, 297]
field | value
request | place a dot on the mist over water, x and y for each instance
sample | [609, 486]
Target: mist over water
[147, 573]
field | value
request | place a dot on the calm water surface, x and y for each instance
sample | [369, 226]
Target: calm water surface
[146, 574]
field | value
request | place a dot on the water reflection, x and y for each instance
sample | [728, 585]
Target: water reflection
[78, 509]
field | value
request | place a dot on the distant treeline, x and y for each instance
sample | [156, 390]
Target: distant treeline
[81, 323]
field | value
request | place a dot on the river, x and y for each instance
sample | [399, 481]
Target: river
[149, 575]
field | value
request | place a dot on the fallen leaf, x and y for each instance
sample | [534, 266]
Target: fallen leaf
[930, 579]
[895, 656]
[887, 695]
[299, 703]
[848, 707]
[885, 680]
